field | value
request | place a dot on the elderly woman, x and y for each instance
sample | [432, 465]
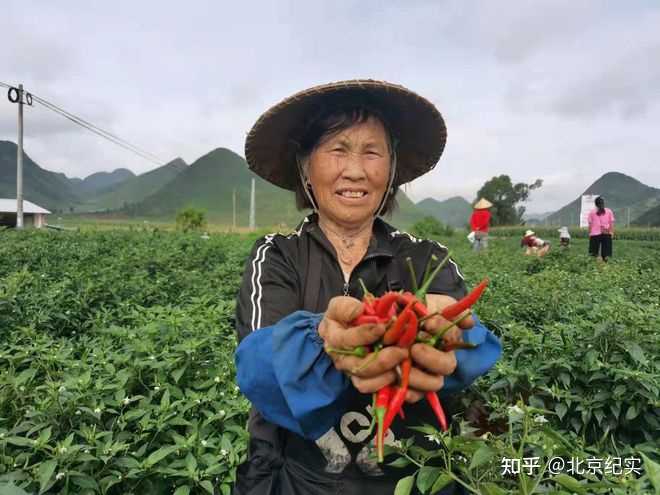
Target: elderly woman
[344, 148]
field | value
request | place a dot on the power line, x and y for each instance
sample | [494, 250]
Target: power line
[94, 128]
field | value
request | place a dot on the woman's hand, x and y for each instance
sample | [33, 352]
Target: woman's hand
[430, 365]
[336, 332]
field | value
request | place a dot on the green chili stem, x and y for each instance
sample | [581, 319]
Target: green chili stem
[421, 292]
[413, 275]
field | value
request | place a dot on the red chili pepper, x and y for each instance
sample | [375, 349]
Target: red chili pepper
[368, 308]
[418, 307]
[382, 401]
[399, 396]
[434, 402]
[392, 335]
[384, 303]
[410, 335]
[453, 310]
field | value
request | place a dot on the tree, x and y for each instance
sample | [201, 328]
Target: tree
[190, 219]
[505, 197]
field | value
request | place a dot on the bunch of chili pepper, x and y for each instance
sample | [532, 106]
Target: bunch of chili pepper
[403, 313]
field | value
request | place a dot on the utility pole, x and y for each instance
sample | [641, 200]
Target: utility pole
[252, 205]
[19, 162]
[234, 210]
[628, 217]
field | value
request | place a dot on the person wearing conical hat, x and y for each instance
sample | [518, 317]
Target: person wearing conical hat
[344, 149]
[479, 223]
[533, 244]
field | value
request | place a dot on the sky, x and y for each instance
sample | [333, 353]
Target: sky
[559, 90]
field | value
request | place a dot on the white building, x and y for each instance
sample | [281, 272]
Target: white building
[33, 215]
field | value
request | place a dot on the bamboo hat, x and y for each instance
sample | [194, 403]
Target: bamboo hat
[419, 129]
[483, 204]
[528, 233]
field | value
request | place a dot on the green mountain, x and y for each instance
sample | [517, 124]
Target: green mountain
[92, 184]
[650, 218]
[50, 190]
[133, 189]
[454, 211]
[627, 197]
[210, 181]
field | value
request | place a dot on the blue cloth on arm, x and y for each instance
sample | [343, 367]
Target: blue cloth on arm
[284, 371]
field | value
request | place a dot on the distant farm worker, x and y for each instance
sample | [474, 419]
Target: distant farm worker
[601, 230]
[344, 149]
[564, 237]
[479, 223]
[534, 245]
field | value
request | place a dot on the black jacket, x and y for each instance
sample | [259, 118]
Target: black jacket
[301, 271]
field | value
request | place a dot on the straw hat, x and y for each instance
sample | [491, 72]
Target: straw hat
[528, 233]
[420, 131]
[483, 204]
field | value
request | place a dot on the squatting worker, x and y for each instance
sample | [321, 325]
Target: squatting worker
[344, 148]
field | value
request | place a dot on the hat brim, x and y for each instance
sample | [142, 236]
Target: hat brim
[420, 131]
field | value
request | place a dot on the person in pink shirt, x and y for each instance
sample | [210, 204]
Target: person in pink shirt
[601, 230]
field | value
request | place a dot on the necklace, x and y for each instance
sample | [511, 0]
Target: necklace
[347, 243]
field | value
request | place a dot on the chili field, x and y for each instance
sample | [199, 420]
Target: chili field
[117, 377]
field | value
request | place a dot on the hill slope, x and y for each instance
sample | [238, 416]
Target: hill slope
[620, 192]
[209, 184]
[133, 189]
[50, 190]
[98, 181]
[454, 211]
[649, 218]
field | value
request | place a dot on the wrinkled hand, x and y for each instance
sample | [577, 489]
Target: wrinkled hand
[336, 332]
[430, 365]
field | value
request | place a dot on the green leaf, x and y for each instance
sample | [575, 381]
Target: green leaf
[177, 374]
[165, 399]
[442, 481]
[182, 490]
[652, 470]
[569, 483]
[426, 477]
[636, 353]
[405, 485]
[159, 455]
[632, 412]
[191, 463]
[491, 489]
[20, 441]
[11, 489]
[207, 485]
[45, 473]
[561, 409]
[400, 462]
[482, 456]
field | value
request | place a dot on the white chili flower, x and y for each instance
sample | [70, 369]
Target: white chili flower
[62, 389]
[59, 476]
[97, 410]
[515, 413]
[204, 443]
[156, 388]
[153, 358]
[222, 412]
[78, 412]
[540, 419]
[126, 401]
[62, 450]
[433, 438]
[21, 388]
[223, 452]
[216, 379]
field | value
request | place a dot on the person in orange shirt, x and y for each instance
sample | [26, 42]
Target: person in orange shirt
[479, 223]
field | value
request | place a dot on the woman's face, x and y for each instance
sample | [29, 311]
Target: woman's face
[349, 173]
